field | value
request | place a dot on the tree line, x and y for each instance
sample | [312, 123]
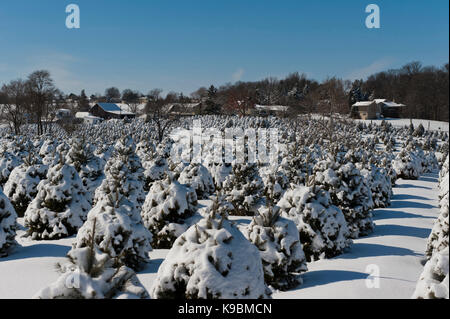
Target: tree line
[424, 91]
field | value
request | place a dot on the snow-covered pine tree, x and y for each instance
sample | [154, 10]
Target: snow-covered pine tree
[439, 237]
[89, 167]
[406, 164]
[211, 260]
[275, 182]
[278, 241]
[434, 281]
[92, 274]
[118, 203]
[322, 226]
[47, 151]
[244, 188]
[146, 150]
[60, 206]
[198, 177]
[123, 175]
[167, 210]
[8, 225]
[8, 162]
[380, 184]
[350, 192]
[155, 170]
[21, 187]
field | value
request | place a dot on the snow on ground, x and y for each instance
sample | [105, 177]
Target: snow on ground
[397, 247]
[433, 125]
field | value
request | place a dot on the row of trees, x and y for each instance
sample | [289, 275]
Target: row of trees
[34, 99]
[424, 91]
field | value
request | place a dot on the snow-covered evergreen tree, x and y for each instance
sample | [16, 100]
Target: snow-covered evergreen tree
[407, 165]
[8, 225]
[276, 182]
[278, 241]
[349, 191]
[60, 206]
[322, 226]
[123, 174]
[380, 185]
[434, 281]
[438, 239]
[166, 211]
[211, 260]
[8, 162]
[120, 231]
[244, 188]
[89, 167]
[21, 187]
[198, 177]
[92, 274]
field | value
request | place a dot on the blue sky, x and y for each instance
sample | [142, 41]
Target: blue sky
[184, 44]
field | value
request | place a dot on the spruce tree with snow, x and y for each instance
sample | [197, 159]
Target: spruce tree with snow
[219, 173]
[322, 226]
[278, 241]
[429, 162]
[89, 167]
[21, 187]
[8, 162]
[244, 188]
[146, 150]
[92, 274]
[123, 175]
[350, 192]
[386, 163]
[47, 151]
[407, 165]
[118, 203]
[198, 177]
[380, 185]
[8, 225]
[167, 211]
[275, 181]
[155, 170]
[211, 260]
[419, 131]
[434, 281]
[439, 237]
[60, 206]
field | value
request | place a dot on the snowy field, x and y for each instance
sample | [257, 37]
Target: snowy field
[397, 246]
[427, 124]
[340, 210]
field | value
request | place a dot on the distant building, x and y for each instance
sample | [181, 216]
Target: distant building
[366, 110]
[390, 109]
[270, 109]
[63, 116]
[109, 111]
[88, 118]
[183, 108]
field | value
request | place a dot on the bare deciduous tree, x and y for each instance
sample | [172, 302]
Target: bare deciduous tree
[15, 104]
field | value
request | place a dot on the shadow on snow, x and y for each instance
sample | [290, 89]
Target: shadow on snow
[399, 230]
[37, 251]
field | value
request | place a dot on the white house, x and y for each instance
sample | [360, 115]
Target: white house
[88, 118]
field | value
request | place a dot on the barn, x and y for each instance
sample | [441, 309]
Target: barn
[389, 108]
[366, 110]
[109, 111]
